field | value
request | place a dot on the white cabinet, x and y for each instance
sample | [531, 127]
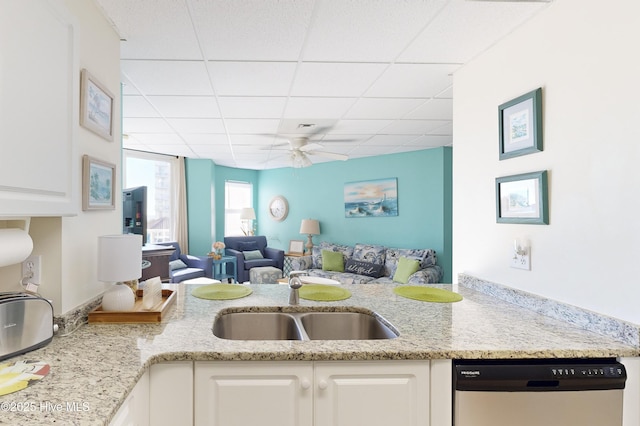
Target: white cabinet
[253, 393]
[171, 393]
[38, 109]
[134, 411]
[283, 393]
[377, 393]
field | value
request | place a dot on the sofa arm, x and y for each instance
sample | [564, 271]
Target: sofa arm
[199, 262]
[431, 275]
[275, 254]
[301, 263]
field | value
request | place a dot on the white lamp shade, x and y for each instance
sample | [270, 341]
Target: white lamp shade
[247, 213]
[119, 257]
[310, 227]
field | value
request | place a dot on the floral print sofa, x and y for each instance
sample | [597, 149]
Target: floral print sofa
[387, 258]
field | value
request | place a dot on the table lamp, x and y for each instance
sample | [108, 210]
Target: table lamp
[310, 227]
[119, 259]
[247, 214]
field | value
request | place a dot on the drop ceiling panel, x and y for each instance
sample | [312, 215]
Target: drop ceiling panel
[137, 106]
[242, 125]
[358, 127]
[177, 150]
[438, 109]
[270, 30]
[205, 139]
[186, 106]
[368, 108]
[322, 108]
[145, 125]
[197, 125]
[413, 127]
[466, 28]
[159, 139]
[168, 77]
[252, 78]
[390, 140]
[413, 81]
[366, 31]
[251, 107]
[335, 79]
[153, 29]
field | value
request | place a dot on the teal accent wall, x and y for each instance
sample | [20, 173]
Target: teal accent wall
[424, 202]
[201, 213]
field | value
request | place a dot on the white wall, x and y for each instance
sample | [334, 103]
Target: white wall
[584, 54]
[68, 245]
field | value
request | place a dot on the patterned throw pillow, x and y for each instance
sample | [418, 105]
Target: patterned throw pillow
[369, 253]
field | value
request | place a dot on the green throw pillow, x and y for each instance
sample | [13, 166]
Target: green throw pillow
[406, 268]
[332, 261]
[252, 255]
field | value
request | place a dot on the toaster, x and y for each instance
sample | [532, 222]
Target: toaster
[26, 323]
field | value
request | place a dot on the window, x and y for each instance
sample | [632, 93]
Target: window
[156, 173]
[237, 195]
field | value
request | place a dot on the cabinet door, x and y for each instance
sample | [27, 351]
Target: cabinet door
[39, 97]
[134, 411]
[171, 393]
[372, 393]
[253, 393]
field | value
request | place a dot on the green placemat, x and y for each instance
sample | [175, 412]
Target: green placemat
[427, 294]
[221, 291]
[323, 293]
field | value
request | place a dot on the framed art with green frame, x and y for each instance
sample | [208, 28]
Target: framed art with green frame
[520, 125]
[523, 198]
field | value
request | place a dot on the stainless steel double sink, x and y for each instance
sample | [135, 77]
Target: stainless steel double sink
[306, 325]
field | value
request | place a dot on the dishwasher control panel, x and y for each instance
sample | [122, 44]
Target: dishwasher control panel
[538, 375]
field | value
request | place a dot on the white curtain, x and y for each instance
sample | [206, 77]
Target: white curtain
[180, 221]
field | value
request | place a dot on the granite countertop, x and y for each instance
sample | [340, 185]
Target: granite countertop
[96, 366]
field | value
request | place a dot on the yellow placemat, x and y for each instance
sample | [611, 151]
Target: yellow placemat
[323, 293]
[221, 291]
[18, 375]
[427, 294]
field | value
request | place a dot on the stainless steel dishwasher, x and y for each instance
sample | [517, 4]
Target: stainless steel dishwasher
[555, 392]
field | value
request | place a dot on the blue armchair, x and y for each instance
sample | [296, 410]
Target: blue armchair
[185, 267]
[237, 246]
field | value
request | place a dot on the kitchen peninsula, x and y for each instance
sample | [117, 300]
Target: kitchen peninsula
[98, 365]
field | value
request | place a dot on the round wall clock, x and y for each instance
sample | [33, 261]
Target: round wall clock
[278, 208]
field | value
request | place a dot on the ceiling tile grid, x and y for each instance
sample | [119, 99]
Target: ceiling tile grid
[235, 81]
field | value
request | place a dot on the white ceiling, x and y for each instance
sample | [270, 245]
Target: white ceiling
[218, 79]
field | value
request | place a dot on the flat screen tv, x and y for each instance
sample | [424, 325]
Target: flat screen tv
[134, 211]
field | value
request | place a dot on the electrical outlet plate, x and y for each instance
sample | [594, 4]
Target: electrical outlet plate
[521, 261]
[32, 268]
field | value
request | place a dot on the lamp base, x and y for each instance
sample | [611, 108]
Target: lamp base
[119, 297]
[309, 244]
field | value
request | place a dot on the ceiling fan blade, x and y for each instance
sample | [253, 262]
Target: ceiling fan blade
[333, 155]
[310, 146]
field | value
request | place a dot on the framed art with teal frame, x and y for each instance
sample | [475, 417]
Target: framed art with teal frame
[520, 125]
[523, 198]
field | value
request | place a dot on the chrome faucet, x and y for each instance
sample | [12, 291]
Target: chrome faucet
[294, 284]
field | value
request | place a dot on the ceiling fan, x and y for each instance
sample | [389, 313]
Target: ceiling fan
[300, 149]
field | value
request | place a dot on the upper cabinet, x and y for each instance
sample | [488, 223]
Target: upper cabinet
[39, 98]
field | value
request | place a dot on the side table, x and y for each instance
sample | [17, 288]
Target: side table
[295, 262]
[221, 268]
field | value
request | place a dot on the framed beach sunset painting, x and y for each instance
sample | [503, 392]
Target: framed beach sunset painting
[371, 198]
